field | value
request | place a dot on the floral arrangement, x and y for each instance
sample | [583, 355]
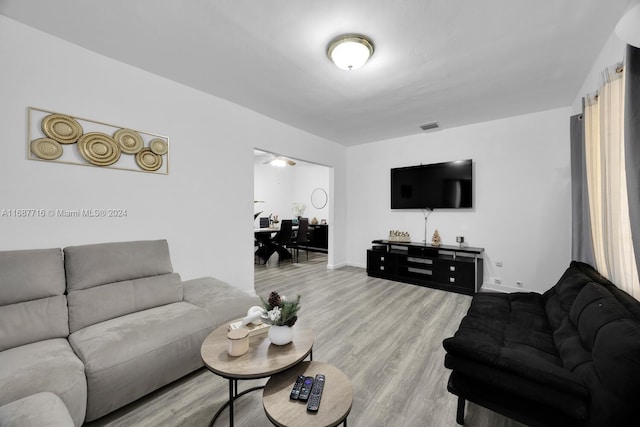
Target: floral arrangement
[299, 208]
[279, 311]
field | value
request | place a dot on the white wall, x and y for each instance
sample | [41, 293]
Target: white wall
[308, 178]
[612, 53]
[522, 203]
[273, 186]
[279, 188]
[203, 207]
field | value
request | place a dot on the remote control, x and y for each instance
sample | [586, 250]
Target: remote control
[316, 394]
[295, 391]
[306, 389]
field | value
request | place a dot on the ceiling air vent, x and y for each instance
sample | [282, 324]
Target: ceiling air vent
[430, 125]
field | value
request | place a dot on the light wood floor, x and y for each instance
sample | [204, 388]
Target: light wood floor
[386, 336]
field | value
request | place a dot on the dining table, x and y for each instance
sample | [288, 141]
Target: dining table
[264, 234]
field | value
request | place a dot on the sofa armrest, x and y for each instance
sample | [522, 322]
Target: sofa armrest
[222, 300]
[44, 408]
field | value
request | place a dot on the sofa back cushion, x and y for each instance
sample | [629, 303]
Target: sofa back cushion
[600, 343]
[33, 306]
[109, 280]
[559, 299]
[94, 265]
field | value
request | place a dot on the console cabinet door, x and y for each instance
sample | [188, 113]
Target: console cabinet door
[386, 264]
[456, 273]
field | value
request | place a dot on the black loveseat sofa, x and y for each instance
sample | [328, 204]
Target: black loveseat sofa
[568, 357]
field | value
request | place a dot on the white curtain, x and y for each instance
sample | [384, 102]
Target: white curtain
[607, 184]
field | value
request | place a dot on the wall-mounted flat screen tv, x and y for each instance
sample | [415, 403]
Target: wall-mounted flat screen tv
[446, 185]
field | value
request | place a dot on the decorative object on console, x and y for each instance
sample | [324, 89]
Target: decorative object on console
[314, 221]
[399, 236]
[281, 314]
[52, 137]
[460, 240]
[435, 240]
[299, 208]
[426, 212]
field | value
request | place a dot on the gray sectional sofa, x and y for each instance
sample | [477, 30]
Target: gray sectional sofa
[92, 328]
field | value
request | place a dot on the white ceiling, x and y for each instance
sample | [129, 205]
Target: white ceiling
[452, 61]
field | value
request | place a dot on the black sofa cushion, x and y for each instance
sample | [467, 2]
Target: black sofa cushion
[505, 341]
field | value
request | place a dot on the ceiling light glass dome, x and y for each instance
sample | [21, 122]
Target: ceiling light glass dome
[350, 51]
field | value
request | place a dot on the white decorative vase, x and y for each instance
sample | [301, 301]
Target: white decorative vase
[280, 335]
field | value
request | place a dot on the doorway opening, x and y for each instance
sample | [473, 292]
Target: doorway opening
[290, 189]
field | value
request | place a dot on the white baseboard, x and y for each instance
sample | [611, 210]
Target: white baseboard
[350, 264]
[336, 266]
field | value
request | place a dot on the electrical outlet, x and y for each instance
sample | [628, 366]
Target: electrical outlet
[498, 263]
[497, 281]
[519, 283]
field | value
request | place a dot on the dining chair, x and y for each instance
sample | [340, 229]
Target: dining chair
[301, 240]
[260, 241]
[282, 240]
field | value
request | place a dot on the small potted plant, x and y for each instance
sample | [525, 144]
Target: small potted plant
[281, 314]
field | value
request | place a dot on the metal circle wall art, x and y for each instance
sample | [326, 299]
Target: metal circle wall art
[158, 146]
[51, 136]
[61, 128]
[130, 141]
[319, 198]
[98, 148]
[148, 160]
[46, 148]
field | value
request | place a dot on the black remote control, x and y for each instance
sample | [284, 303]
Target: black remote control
[295, 391]
[306, 389]
[316, 394]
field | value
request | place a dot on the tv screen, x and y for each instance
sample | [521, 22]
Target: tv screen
[435, 186]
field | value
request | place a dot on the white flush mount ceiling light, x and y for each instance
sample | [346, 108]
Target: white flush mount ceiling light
[628, 28]
[350, 51]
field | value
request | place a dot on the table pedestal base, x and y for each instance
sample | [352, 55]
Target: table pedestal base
[233, 395]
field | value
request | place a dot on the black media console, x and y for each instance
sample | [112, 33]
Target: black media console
[450, 268]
